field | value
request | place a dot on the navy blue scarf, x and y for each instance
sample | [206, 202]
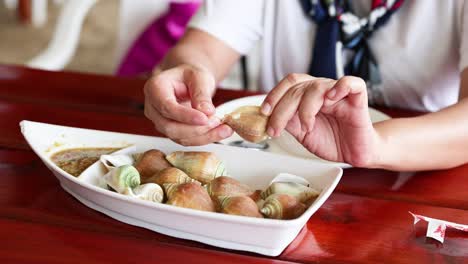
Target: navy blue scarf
[338, 27]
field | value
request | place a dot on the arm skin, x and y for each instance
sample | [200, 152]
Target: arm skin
[437, 140]
[201, 50]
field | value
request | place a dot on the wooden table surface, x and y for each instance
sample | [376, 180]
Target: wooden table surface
[365, 220]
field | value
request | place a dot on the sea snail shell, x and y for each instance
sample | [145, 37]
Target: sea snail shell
[282, 206]
[248, 122]
[301, 192]
[201, 166]
[122, 179]
[151, 162]
[150, 192]
[170, 175]
[226, 186]
[189, 195]
[239, 205]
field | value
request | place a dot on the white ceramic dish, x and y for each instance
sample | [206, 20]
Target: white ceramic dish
[256, 169]
[285, 144]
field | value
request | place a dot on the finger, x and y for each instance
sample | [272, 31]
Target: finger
[285, 110]
[201, 86]
[152, 114]
[160, 91]
[352, 87]
[312, 102]
[283, 86]
[294, 127]
[216, 134]
[176, 130]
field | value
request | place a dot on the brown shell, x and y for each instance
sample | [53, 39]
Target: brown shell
[303, 193]
[256, 195]
[151, 162]
[189, 195]
[248, 122]
[199, 165]
[170, 175]
[239, 205]
[226, 186]
[282, 206]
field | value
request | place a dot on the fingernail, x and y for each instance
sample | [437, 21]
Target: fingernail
[271, 131]
[206, 107]
[331, 94]
[266, 109]
[213, 122]
[225, 132]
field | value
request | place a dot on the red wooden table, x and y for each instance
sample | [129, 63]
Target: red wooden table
[365, 220]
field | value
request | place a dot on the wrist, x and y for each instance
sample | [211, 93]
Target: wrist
[382, 150]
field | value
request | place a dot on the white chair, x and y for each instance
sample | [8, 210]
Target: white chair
[134, 16]
[65, 38]
[38, 10]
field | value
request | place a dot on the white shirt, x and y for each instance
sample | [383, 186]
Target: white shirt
[420, 51]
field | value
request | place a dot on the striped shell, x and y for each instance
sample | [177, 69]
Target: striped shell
[201, 166]
[122, 179]
[170, 175]
[226, 186]
[151, 162]
[150, 192]
[189, 195]
[301, 192]
[239, 205]
[248, 122]
[282, 206]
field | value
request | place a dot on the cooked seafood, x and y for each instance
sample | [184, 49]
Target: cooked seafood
[123, 179]
[151, 162]
[170, 175]
[282, 206]
[189, 195]
[201, 166]
[248, 122]
[226, 186]
[239, 205]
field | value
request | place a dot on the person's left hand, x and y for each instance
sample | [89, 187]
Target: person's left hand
[330, 118]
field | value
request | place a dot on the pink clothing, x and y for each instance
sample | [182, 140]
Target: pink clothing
[151, 46]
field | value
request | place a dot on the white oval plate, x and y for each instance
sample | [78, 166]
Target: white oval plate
[285, 144]
[254, 168]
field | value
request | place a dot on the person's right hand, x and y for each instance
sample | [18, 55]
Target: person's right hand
[178, 101]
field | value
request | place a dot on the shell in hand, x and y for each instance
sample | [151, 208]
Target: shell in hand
[226, 186]
[151, 162]
[239, 205]
[201, 166]
[282, 206]
[189, 195]
[122, 179]
[150, 192]
[170, 175]
[303, 193]
[248, 122]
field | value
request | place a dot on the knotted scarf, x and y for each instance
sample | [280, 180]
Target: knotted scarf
[339, 28]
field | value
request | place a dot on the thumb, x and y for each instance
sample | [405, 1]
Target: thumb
[201, 88]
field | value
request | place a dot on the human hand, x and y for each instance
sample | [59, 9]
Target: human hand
[178, 101]
[330, 118]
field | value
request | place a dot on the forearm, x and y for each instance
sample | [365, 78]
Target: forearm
[433, 141]
[201, 50]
